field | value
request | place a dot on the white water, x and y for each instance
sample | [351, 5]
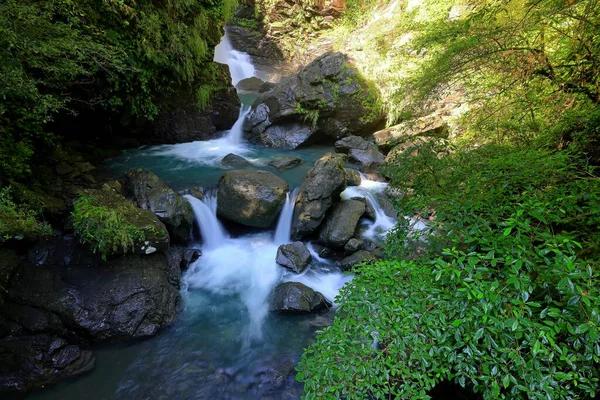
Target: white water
[284, 225]
[212, 232]
[239, 62]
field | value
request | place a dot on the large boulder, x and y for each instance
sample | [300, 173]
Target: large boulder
[76, 291]
[234, 161]
[149, 192]
[153, 233]
[360, 152]
[327, 100]
[353, 177]
[340, 224]
[356, 258]
[429, 126]
[324, 183]
[285, 162]
[294, 256]
[296, 298]
[251, 198]
[33, 361]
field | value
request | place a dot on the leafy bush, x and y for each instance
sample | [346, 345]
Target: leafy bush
[509, 308]
[104, 227]
[19, 220]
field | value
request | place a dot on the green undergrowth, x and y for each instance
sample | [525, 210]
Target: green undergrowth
[20, 220]
[501, 298]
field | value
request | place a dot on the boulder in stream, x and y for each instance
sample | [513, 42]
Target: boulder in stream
[353, 177]
[149, 192]
[285, 162]
[297, 298]
[251, 198]
[294, 256]
[340, 224]
[356, 258]
[234, 161]
[360, 152]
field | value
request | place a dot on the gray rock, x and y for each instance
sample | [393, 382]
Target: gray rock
[197, 192]
[340, 224]
[235, 161]
[325, 101]
[33, 361]
[324, 183]
[296, 298]
[360, 152]
[149, 192]
[251, 198]
[252, 84]
[285, 162]
[353, 177]
[9, 263]
[356, 258]
[294, 256]
[352, 246]
[182, 257]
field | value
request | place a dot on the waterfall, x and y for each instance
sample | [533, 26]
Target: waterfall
[284, 225]
[240, 64]
[236, 133]
[212, 232]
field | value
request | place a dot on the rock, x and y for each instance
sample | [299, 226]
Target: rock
[324, 183]
[360, 256]
[251, 198]
[360, 152]
[30, 362]
[123, 298]
[294, 256]
[374, 248]
[84, 166]
[183, 257]
[295, 298]
[353, 177]
[64, 168]
[327, 100]
[352, 246]
[197, 192]
[252, 84]
[429, 126]
[149, 192]
[386, 205]
[340, 224]
[9, 263]
[265, 54]
[285, 162]
[155, 234]
[235, 161]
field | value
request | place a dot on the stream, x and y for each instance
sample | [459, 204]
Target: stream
[225, 344]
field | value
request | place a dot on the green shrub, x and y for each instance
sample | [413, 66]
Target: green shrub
[509, 308]
[103, 227]
[19, 220]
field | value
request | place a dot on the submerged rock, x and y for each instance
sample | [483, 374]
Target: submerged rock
[325, 101]
[324, 183]
[356, 258]
[149, 192]
[294, 256]
[285, 162]
[295, 298]
[340, 224]
[251, 198]
[235, 161]
[360, 152]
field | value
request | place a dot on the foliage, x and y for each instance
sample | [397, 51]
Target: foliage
[19, 220]
[104, 227]
[510, 306]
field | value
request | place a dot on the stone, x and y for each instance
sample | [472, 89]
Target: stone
[297, 298]
[234, 161]
[352, 246]
[325, 101]
[9, 263]
[285, 162]
[294, 256]
[324, 183]
[183, 257]
[356, 258]
[252, 84]
[429, 126]
[150, 193]
[64, 168]
[353, 177]
[340, 224]
[197, 192]
[251, 198]
[360, 152]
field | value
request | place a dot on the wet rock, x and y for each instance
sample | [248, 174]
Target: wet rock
[374, 248]
[285, 162]
[30, 362]
[149, 192]
[295, 298]
[352, 246]
[252, 84]
[197, 192]
[234, 161]
[386, 205]
[340, 224]
[64, 168]
[155, 234]
[353, 177]
[360, 152]
[9, 263]
[324, 183]
[294, 256]
[325, 101]
[182, 257]
[251, 198]
[356, 258]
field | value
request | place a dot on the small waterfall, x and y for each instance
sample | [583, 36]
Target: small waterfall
[236, 133]
[213, 233]
[284, 225]
[240, 64]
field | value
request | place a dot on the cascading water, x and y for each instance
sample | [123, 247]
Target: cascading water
[240, 64]
[212, 232]
[284, 225]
